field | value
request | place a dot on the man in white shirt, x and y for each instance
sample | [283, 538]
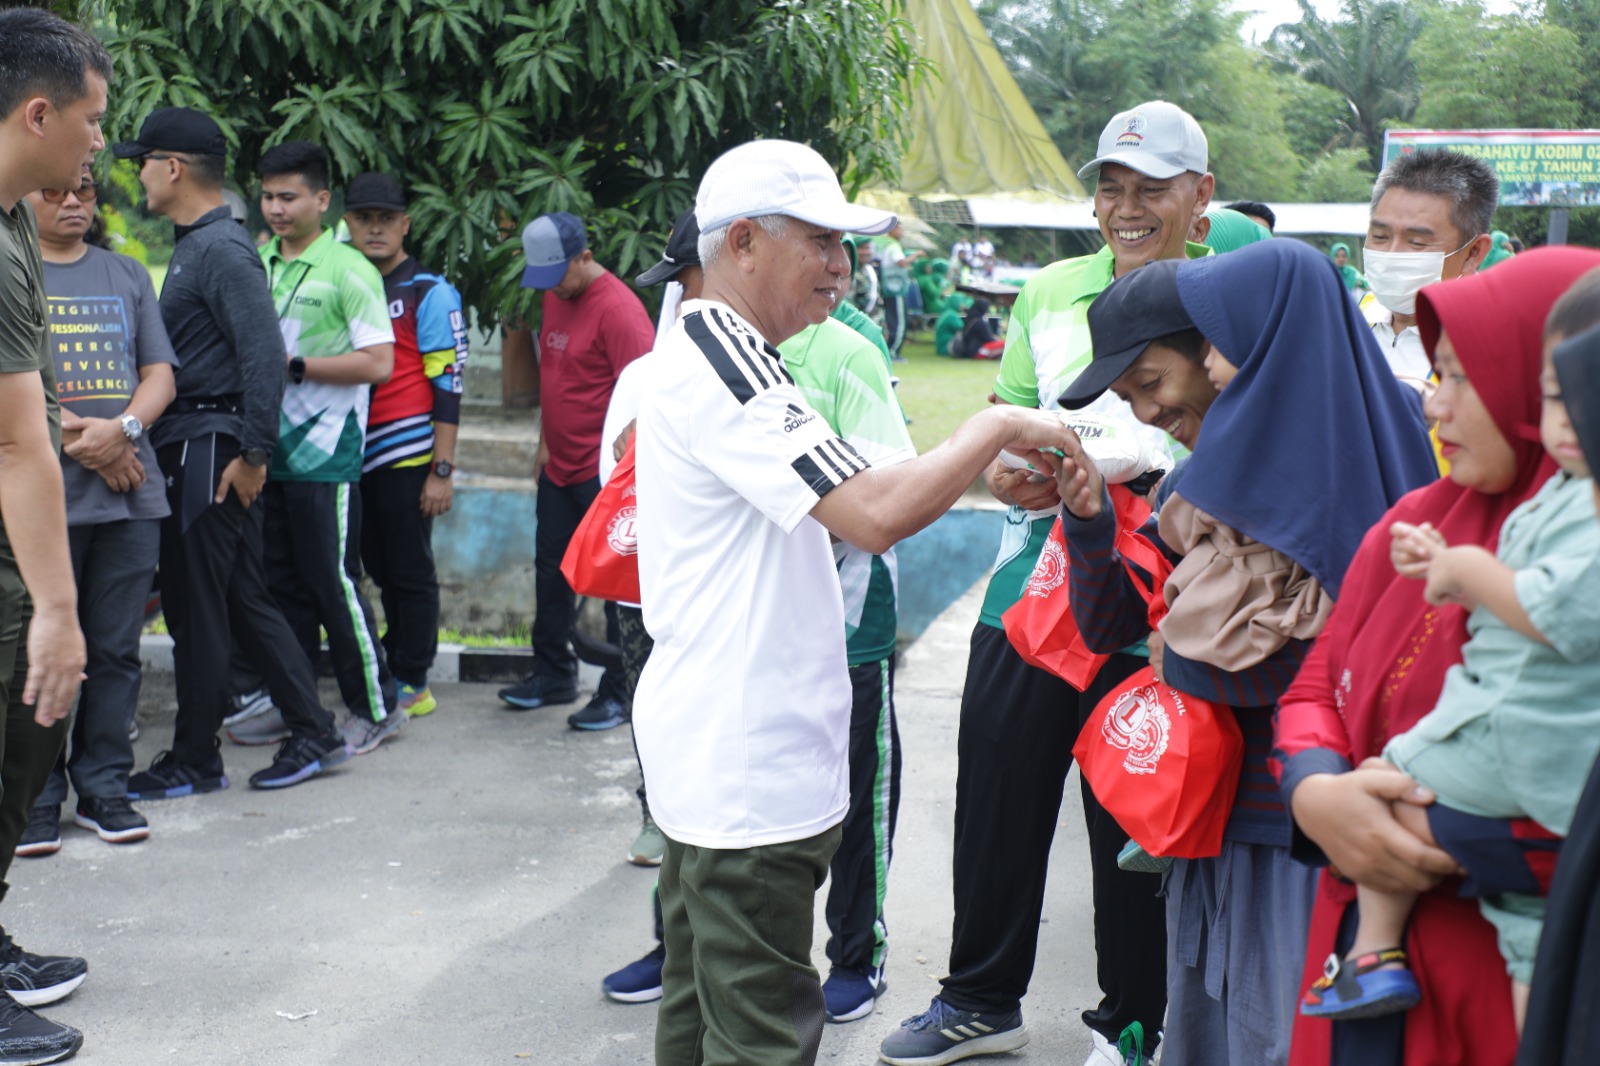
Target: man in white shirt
[1429, 222]
[742, 713]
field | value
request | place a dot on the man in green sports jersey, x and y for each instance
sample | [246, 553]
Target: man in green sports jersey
[1018, 722]
[335, 322]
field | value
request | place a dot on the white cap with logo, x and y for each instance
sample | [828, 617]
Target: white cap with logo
[1157, 139]
[773, 177]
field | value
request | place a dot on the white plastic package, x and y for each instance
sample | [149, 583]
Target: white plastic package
[1117, 447]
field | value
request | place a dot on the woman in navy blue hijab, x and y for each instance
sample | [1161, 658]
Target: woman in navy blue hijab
[1296, 453]
[1333, 438]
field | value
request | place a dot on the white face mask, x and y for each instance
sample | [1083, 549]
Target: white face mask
[1395, 278]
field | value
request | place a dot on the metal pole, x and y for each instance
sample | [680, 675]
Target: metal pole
[1558, 226]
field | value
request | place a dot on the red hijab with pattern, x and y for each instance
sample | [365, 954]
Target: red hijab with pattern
[1496, 323]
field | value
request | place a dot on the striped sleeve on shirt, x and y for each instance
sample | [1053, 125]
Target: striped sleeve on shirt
[828, 465]
[744, 362]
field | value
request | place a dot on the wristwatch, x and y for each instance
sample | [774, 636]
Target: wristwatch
[297, 369]
[254, 456]
[443, 468]
[132, 428]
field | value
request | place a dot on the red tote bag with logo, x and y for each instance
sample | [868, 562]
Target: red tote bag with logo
[1040, 624]
[1165, 764]
[602, 558]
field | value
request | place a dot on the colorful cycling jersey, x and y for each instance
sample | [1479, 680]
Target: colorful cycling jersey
[329, 301]
[430, 353]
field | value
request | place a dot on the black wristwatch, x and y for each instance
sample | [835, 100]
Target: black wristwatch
[443, 468]
[297, 369]
[254, 456]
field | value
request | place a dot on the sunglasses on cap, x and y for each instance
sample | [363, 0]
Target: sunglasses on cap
[85, 193]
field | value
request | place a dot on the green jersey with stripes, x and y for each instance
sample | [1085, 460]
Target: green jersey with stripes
[1047, 347]
[330, 301]
[844, 378]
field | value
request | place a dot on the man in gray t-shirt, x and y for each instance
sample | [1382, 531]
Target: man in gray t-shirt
[114, 377]
[105, 337]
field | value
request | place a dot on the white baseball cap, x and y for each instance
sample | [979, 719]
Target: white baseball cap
[1157, 139]
[772, 177]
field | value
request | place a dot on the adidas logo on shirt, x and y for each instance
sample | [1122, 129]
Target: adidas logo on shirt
[795, 418]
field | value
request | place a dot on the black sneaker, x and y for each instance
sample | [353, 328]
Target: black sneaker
[43, 833]
[602, 712]
[302, 758]
[536, 691]
[34, 980]
[168, 778]
[26, 1039]
[112, 818]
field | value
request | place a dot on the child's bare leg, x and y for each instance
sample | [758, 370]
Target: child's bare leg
[1519, 1004]
[1383, 915]
[1382, 922]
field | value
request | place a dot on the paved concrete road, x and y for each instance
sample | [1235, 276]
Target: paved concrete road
[453, 899]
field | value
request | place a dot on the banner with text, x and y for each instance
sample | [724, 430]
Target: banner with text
[1536, 168]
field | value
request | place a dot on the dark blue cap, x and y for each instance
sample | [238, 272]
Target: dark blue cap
[549, 243]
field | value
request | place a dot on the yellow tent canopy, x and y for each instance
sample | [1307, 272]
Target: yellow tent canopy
[974, 133]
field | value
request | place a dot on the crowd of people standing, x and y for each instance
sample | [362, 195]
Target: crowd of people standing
[1372, 538]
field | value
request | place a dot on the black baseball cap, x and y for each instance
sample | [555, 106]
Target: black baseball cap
[1137, 308]
[683, 249]
[371, 190]
[175, 129]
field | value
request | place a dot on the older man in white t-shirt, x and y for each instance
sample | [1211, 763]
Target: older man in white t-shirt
[742, 714]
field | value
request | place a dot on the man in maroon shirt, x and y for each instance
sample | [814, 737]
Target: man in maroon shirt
[592, 327]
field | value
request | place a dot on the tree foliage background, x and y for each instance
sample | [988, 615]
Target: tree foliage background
[1301, 115]
[495, 111]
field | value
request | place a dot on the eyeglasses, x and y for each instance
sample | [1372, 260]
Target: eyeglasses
[162, 155]
[85, 193]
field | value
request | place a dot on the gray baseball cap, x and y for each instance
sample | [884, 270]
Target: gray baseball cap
[549, 243]
[1157, 139]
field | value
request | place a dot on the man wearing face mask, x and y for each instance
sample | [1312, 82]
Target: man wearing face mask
[1429, 222]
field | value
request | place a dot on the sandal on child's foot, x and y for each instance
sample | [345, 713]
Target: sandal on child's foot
[1135, 859]
[1359, 988]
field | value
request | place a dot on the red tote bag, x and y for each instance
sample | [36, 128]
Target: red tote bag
[602, 558]
[1040, 624]
[1165, 764]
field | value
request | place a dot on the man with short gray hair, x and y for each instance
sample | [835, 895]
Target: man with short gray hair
[742, 714]
[1429, 222]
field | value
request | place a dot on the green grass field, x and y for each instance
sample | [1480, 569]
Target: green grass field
[938, 394]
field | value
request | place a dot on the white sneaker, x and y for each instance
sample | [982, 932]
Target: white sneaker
[1105, 1053]
[363, 734]
[248, 706]
[262, 728]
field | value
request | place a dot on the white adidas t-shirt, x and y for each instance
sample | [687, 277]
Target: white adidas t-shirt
[742, 714]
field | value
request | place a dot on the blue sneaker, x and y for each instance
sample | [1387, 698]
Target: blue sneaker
[942, 1034]
[849, 995]
[637, 982]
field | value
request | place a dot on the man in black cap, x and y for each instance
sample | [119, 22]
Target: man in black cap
[213, 446]
[411, 434]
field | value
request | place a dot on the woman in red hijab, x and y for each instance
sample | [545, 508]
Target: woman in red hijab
[1378, 667]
